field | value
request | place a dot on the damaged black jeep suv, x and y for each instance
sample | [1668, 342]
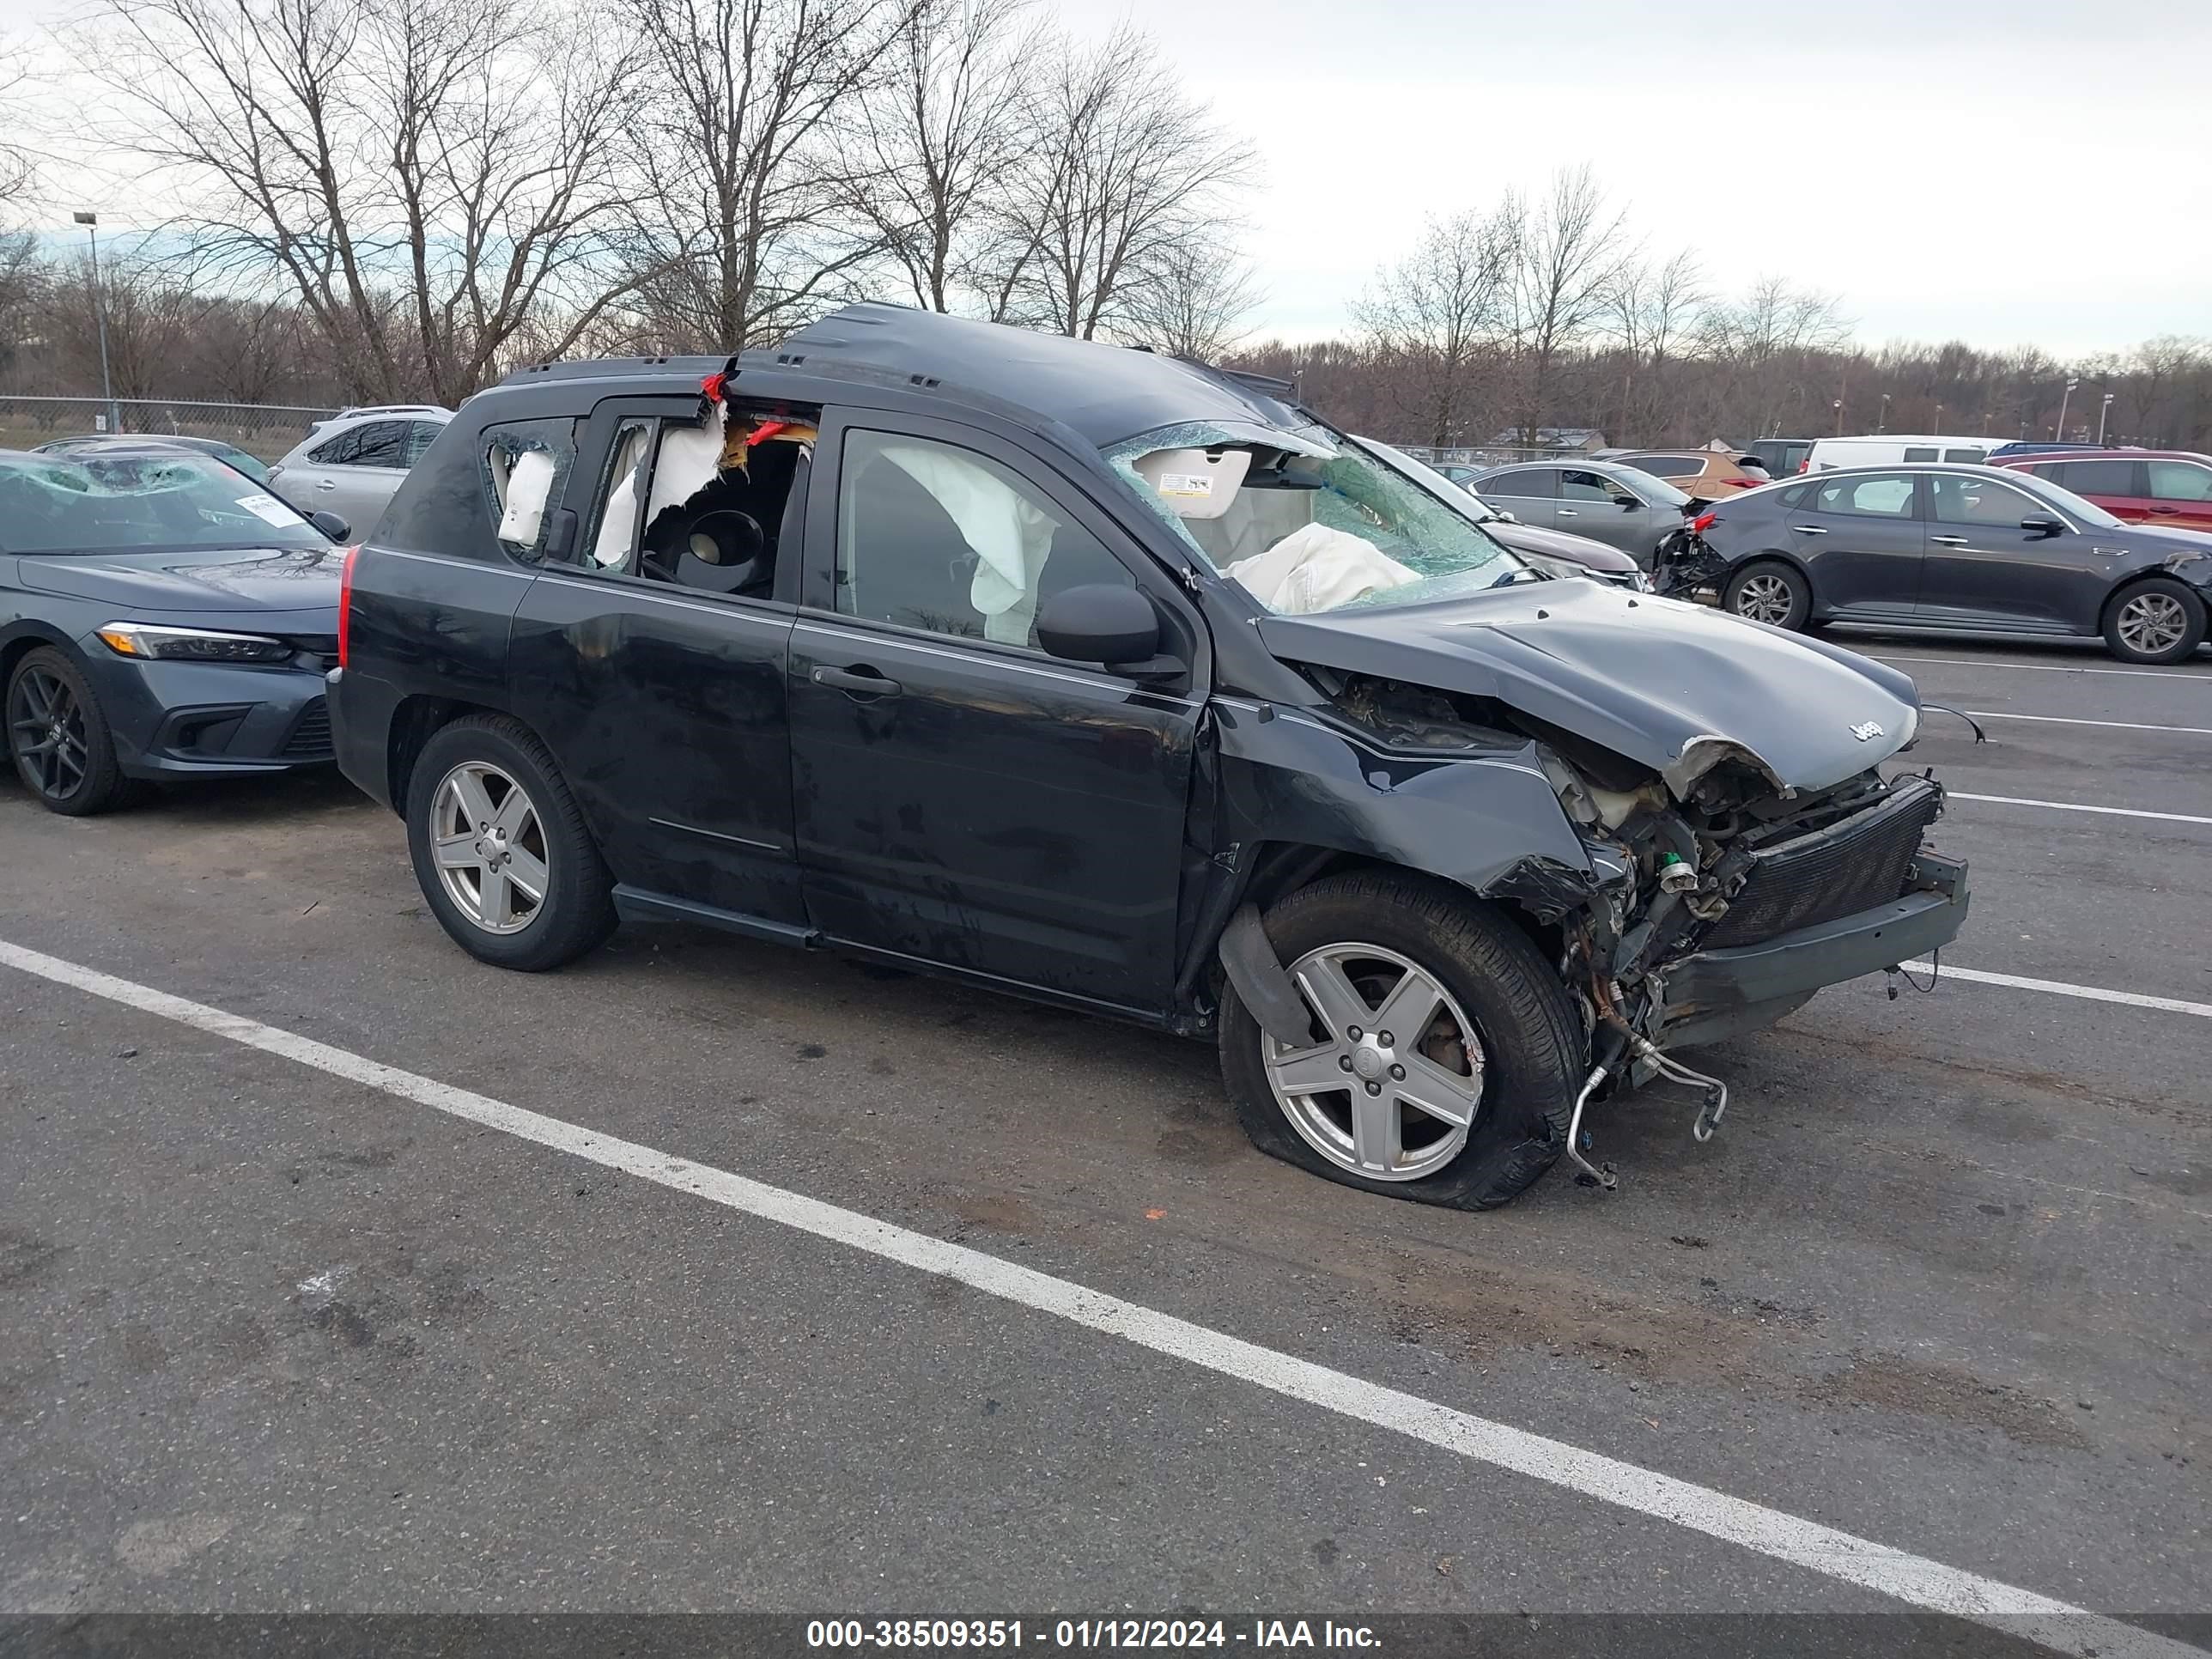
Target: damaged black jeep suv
[1098, 677]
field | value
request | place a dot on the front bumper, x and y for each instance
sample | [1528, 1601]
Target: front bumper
[1715, 994]
[180, 720]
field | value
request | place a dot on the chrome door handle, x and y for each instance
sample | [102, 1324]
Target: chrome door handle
[1949, 541]
[1808, 530]
[1571, 512]
[326, 483]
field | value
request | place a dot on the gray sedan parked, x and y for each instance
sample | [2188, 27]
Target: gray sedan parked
[1618, 505]
[1963, 549]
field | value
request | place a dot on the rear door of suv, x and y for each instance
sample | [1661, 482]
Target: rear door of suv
[961, 798]
[2180, 496]
[662, 701]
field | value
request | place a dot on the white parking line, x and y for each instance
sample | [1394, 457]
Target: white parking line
[2060, 720]
[2056, 987]
[2044, 667]
[1839, 1555]
[2077, 806]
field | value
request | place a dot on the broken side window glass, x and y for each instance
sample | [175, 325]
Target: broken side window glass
[722, 495]
[615, 525]
[525, 464]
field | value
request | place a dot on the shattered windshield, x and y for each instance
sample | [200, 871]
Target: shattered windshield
[103, 503]
[1310, 521]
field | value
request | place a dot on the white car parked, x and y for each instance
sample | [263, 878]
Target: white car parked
[352, 464]
[1898, 449]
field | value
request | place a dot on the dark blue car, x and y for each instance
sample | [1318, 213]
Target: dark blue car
[161, 617]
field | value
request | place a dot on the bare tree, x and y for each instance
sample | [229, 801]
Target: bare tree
[19, 159]
[940, 137]
[1653, 310]
[1440, 312]
[1127, 178]
[1571, 245]
[742, 223]
[426, 177]
[152, 322]
[1193, 302]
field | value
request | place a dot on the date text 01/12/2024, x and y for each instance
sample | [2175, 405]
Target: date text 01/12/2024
[1012, 1635]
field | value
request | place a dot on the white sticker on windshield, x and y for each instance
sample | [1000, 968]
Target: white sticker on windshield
[1187, 485]
[267, 509]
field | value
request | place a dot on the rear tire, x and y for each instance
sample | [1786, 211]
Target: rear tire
[1772, 592]
[1521, 1065]
[500, 850]
[59, 738]
[2159, 620]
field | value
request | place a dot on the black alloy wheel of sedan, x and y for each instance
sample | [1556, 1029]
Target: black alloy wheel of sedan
[58, 738]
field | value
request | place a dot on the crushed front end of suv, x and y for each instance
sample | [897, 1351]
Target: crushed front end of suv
[1120, 682]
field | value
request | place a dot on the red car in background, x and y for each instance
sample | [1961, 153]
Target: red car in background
[2169, 487]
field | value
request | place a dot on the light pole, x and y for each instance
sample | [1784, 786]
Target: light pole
[1839, 418]
[1939, 421]
[1881, 418]
[2103, 410]
[2064, 398]
[91, 223]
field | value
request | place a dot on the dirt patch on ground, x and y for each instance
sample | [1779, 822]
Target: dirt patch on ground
[1892, 1383]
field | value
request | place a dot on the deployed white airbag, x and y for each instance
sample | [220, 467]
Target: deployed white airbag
[1010, 534]
[689, 458]
[529, 486]
[1318, 568]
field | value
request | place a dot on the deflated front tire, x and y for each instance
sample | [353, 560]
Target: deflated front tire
[1445, 1053]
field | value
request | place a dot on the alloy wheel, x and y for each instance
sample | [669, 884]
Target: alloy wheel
[1765, 597]
[46, 729]
[2152, 622]
[489, 847]
[1392, 1081]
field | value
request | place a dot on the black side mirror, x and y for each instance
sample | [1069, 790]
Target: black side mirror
[332, 524]
[1104, 624]
[2042, 528]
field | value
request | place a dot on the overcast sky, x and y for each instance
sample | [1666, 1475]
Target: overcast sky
[2000, 171]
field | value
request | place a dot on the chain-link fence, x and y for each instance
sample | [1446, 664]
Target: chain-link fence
[1484, 454]
[263, 429]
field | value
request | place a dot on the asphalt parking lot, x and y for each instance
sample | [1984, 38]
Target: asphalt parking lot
[276, 1338]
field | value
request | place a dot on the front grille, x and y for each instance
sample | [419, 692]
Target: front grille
[311, 734]
[1837, 871]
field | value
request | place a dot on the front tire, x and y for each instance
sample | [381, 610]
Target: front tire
[500, 850]
[2159, 620]
[1464, 1107]
[1771, 591]
[59, 738]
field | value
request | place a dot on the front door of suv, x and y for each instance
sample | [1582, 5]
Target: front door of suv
[662, 697]
[961, 798]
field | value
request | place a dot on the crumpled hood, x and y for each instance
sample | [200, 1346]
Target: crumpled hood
[1676, 687]
[1583, 551]
[192, 579]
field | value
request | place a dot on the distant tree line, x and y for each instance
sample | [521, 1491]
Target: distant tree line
[388, 200]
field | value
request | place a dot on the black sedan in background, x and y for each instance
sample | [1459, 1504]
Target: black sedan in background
[1964, 549]
[160, 617]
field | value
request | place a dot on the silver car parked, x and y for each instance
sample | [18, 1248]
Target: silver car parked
[1618, 505]
[352, 465]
